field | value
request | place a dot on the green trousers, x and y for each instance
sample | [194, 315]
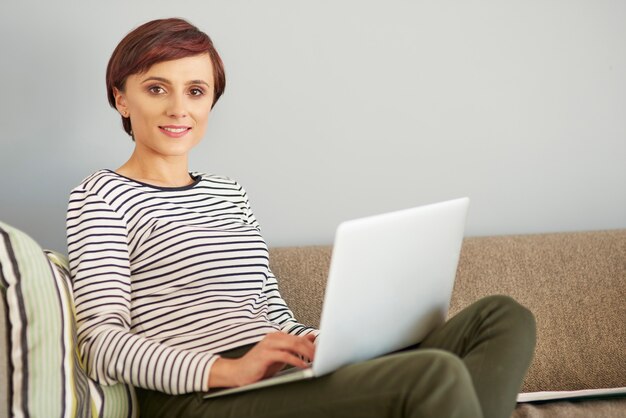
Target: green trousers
[471, 366]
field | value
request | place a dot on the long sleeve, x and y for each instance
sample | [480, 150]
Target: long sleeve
[278, 311]
[99, 262]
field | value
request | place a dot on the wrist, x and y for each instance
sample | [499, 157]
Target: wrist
[221, 373]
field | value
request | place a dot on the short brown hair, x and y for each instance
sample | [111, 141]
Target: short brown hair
[156, 41]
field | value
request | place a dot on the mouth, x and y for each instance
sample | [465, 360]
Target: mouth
[174, 131]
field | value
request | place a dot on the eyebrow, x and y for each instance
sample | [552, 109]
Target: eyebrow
[165, 80]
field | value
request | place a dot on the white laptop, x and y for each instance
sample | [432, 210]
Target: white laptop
[390, 283]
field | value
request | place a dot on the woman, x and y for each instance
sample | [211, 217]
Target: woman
[173, 290]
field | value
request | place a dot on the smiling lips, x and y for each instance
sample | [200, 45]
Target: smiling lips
[174, 131]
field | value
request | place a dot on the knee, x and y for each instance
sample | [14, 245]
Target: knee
[449, 368]
[447, 362]
[450, 378]
[518, 318]
[429, 364]
[434, 382]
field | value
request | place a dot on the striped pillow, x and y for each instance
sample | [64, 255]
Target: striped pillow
[44, 375]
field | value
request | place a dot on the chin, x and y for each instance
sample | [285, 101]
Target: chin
[176, 153]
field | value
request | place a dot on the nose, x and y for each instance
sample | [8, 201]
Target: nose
[176, 106]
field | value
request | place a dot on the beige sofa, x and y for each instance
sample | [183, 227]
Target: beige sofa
[574, 283]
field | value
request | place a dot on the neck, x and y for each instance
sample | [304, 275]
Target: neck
[170, 171]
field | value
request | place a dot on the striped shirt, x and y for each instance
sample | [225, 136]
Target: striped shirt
[164, 278]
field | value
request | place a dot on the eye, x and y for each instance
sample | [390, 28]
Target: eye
[156, 90]
[196, 91]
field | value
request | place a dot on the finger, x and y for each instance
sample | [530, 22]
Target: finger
[296, 344]
[286, 358]
[307, 348]
[299, 346]
[311, 339]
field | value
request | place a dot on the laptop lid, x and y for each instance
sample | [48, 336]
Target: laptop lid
[390, 282]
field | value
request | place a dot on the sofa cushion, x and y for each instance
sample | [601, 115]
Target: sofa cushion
[575, 284]
[44, 375]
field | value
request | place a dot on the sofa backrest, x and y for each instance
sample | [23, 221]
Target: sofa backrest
[574, 283]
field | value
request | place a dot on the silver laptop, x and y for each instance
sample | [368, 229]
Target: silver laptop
[391, 275]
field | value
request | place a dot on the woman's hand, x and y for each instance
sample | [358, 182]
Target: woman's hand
[264, 360]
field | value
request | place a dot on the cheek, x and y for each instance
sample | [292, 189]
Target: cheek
[202, 114]
[145, 112]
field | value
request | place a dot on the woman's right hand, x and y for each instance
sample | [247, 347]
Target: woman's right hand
[264, 360]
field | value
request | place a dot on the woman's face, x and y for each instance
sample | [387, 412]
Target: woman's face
[169, 105]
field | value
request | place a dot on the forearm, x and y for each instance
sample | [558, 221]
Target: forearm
[116, 355]
[295, 328]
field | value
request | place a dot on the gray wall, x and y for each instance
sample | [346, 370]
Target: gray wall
[341, 108]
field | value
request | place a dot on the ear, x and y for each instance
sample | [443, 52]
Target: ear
[120, 101]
